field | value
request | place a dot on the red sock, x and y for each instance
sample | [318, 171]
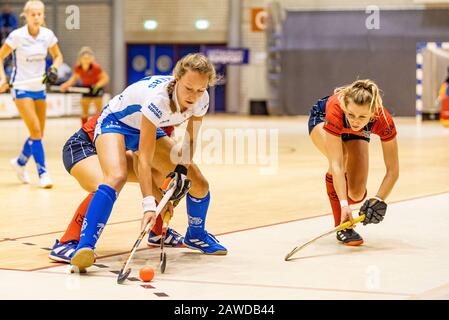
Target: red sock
[157, 228]
[74, 229]
[333, 199]
[83, 120]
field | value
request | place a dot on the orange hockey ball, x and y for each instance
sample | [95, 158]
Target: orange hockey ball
[146, 274]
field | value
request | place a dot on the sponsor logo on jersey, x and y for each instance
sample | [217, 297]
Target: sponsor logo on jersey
[155, 110]
[35, 58]
[154, 84]
[113, 124]
[386, 132]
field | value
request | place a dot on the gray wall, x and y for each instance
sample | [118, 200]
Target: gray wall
[326, 49]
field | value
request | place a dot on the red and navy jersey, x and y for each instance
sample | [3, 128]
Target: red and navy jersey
[90, 76]
[89, 126]
[336, 123]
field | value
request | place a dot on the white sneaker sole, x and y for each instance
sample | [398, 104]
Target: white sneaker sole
[46, 186]
[216, 253]
[57, 259]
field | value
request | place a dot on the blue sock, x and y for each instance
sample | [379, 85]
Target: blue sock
[197, 211]
[39, 156]
[97, 216]
[26, 152]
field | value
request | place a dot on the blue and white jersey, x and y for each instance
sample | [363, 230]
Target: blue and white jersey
[149, 97]
[29, 55]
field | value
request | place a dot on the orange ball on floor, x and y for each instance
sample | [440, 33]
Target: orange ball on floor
[146, 274]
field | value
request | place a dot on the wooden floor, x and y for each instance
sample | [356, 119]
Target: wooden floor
[243, 196]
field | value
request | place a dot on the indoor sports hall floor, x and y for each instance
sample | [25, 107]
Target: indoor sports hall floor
[260, 210]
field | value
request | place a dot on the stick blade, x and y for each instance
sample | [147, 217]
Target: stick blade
[288, 256]
[122, 276]
[163, 263]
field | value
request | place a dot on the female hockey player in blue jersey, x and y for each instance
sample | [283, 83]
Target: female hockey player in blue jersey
[132, 121]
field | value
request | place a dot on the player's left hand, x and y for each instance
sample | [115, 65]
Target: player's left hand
[374, 210]
[182, 183]
[96, 91]
[51, 76]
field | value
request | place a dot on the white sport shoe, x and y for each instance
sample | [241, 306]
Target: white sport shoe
[45, 181]
[22, 174]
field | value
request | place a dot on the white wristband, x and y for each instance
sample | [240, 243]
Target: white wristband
[344, 203]
[149, 204]
[377, 198]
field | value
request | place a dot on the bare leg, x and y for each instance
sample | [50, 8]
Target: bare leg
[41, 112]
[357, 162]
[28, 114]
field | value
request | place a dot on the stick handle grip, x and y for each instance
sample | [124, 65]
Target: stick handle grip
[348, 224]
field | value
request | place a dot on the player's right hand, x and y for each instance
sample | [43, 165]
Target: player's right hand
[346, 214]
[149, 217]
[63, 87]
[4, 86]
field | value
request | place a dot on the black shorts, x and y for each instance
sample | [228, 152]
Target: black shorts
[317, 113]
[99, 94]
[77, 148]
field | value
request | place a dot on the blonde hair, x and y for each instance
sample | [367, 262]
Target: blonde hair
[32, 3]
[362, 92]
[85, 50]
[194, 62]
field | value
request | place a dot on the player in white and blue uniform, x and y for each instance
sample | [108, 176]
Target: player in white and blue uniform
[29, 46]
[132, 121]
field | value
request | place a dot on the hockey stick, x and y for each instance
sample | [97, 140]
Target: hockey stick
[342, 226]
[163, 258]
[125, 271]
[165, 221]
[71, 89]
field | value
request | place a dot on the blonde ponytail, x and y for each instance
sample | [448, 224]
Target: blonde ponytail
[362, 92]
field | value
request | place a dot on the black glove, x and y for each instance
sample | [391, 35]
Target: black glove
[182, 183]
[96, 91]
[51, 76]
[374, 211]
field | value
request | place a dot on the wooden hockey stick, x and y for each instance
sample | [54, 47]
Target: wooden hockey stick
[342, 226]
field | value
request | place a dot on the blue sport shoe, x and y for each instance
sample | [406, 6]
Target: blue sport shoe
[204, 242]
[172, 239]
[63, 252]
